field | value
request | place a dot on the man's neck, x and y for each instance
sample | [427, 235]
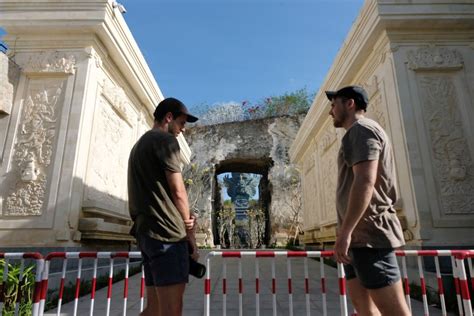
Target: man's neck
[159, 127]
[351, 120]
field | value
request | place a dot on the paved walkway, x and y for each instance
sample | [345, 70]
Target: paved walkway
[194, 298]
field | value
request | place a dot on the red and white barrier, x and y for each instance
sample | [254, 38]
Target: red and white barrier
[80, 256]
[22, 257]
[459, 274]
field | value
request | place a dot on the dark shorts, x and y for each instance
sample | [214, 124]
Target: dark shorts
[164, 263]
[375, 268]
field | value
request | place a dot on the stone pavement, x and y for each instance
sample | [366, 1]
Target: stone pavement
[194, 297]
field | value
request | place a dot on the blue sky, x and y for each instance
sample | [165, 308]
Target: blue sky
[216, 51]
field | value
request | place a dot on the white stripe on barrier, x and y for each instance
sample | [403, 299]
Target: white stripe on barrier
[290, 287]
[306, 287]
[94, 284]
[342, 289]
[109, 288]
[78, 287]
[456, 284]
[125, 287]
[440, 287]
[61, 286]
[464, 286]
[323, 287]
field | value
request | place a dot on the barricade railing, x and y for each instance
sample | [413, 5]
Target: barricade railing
[23, 258]
[112, 257]
[462, 271]
[458, 258]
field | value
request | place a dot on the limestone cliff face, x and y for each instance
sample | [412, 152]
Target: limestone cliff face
[255, 146]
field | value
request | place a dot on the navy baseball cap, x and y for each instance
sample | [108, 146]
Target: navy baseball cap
[357, 93]
[174, 106]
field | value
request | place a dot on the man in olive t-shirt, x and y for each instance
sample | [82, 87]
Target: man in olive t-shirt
[158, 204]
[368, 227]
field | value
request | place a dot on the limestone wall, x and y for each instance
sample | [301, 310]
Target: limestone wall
[83, 96]
[420, 81]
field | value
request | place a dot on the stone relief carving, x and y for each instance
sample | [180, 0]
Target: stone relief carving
[108, 158]
[434, 58]
[47, 61]
[372, 86]
[118, 99]
[327, 153]
[453, 162]
[375, 111]
[34, 148]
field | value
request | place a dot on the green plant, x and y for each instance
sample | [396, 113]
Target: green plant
[16, 291]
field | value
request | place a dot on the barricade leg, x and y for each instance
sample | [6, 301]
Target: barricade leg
[306, 287]
[457, 287]
[142, 290]
[290, 290]
[257, 287]
[423, 286]
[207, 288]
[440, 287]
[323, 287]
[94, 285]
[463, 284]
[342, 289]
[224, 288]
[61, 286]
[274, 300]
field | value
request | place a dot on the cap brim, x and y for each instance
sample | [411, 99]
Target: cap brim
[331, 95]
[191, 118]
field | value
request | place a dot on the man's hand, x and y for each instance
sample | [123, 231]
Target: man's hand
[189, 223]
[341, 248]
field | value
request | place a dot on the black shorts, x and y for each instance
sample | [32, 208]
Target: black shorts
[375, 268]
[164, 263]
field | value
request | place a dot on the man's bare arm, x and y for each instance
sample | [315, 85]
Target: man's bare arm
[362, 189]
[179, 195]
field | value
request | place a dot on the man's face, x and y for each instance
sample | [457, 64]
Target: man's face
[339, 111]
[176, 126]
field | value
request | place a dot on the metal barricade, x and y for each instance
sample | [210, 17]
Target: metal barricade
[22, 257]
[80, 256]
[459, 257]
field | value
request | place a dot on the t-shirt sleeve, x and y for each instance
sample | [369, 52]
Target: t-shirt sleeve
[361, 144]
[170, 154]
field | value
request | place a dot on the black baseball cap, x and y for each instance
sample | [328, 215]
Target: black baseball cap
[357, 93]
[174, 106]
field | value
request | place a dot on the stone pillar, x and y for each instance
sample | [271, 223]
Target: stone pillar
[84, 96]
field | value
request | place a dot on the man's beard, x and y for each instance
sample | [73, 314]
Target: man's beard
[339, 122]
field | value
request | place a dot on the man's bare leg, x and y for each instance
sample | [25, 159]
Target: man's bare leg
[361, 299]
[152, 305]
[171, 299]
[390, 300]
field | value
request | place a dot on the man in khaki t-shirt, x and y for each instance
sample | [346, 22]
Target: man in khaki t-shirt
[368, 227]
[158, 205]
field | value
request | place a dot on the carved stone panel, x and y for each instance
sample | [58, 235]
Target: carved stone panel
[433, 58]
[34, 147]
[47, 61]
[452, 159]
[107, 169]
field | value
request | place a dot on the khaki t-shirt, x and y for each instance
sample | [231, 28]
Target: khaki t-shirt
[150, 204]
[379, 227]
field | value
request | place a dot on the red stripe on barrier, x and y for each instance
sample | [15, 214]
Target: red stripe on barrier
[125, 288]
[423, 286]
[231, 254]
[109, 289]
[241, 286]
[61, 288]
[407, 286]
[342, 286]
[207, 286]
[142, 288]
[78, 287]
[323, 285]
[456, 286]
[306, 286]
[464, 289]
[440, 287]
[257, 288]
[87, 254]
[273, 286]
[265, 254]
[327, 253]
[291, 254]
[224, 286]
[94, 284]
[121, 254]
[38, 292]
[44, 289]
[290, 288]
[400, 253]
[55, 255]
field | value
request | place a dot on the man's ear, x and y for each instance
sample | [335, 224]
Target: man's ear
[168, 117]
[351, 104]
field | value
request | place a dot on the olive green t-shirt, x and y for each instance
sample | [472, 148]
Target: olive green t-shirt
[149, 196]
[379, 227]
